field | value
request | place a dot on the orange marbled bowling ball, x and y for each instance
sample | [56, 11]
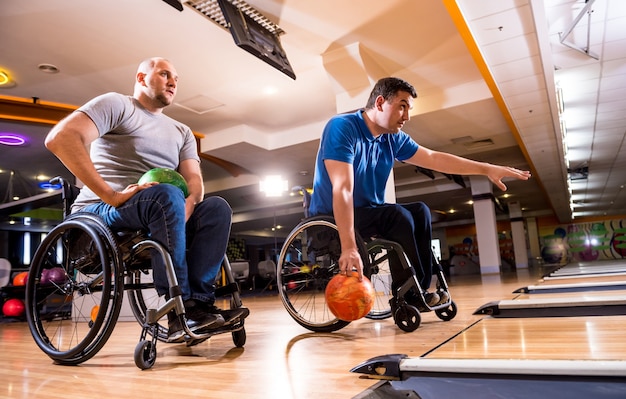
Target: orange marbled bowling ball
[348, 298]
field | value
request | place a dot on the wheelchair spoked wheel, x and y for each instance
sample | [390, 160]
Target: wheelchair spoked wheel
[380, 276]
[142, 296]
[74, 289]
[308, 260]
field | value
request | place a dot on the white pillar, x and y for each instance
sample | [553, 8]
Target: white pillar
[486, 227]
[533, 238]
[519, 235]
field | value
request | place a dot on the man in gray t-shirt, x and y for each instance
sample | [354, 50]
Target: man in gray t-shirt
[128, 136]
[128, 145]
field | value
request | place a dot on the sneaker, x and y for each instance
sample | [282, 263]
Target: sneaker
[431, 298]
[175, 332]
[444, 297]
[201, 317]
[196, 320]
[230, 315]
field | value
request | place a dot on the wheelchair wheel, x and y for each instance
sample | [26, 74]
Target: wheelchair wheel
[239, 337]
[142, 296]
[145, 354]
[380, 275]
[407, 318]
[308, 260]
[447, 314]
[74, 289]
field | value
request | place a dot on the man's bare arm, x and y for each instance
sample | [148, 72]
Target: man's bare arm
[342, 180]
[69, 141]
[190, 169]
[452, 164]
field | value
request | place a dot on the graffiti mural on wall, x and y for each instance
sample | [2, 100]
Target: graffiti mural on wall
[584, 242]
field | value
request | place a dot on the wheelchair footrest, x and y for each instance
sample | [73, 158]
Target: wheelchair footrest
[206, 334]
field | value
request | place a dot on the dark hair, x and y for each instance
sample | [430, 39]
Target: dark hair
[388, 88]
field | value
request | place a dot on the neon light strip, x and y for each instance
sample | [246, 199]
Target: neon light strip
[12, 139]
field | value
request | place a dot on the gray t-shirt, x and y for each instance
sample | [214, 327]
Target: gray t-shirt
[132, 141]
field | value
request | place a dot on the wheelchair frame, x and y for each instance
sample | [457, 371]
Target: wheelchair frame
[314, 242]
[76, 285]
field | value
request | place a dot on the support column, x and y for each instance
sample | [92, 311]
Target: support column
[533, 240]
[486, 228]
[519, 235]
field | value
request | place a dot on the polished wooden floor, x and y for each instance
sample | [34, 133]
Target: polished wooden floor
[283, 360]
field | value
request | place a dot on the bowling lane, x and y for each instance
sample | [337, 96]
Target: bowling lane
[558, 338]
[594, 295]
[584, 270]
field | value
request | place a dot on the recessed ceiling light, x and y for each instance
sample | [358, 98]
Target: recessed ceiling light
[48, 68]
[4, 78]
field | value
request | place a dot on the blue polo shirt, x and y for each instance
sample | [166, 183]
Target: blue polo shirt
[346, 138]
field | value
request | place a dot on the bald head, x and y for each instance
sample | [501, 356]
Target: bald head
[148, 64]
[155, 83]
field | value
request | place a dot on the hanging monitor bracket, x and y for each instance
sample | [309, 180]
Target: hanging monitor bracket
[563, 35]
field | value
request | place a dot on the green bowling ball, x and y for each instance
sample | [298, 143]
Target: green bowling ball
[165, 176]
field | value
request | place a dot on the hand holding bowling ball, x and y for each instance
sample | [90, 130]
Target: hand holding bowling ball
[165, 176]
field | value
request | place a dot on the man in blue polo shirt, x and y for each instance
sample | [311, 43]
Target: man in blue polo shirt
[357, 152]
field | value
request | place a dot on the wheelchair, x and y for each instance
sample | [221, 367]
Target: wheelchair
[309, 258]
[77, 280]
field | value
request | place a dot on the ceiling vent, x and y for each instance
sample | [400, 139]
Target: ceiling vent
[211, 9]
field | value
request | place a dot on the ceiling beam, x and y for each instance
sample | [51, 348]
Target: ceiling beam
[33, 110]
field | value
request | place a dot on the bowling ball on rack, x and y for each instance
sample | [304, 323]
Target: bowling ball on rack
[56, 275]
[348, 298]
[13, 307]
[165, 176]
[20, 279]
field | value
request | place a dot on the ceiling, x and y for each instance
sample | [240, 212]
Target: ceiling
[486, 73]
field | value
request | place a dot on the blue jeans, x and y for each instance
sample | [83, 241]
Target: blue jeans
[407, 224]
[197, 247]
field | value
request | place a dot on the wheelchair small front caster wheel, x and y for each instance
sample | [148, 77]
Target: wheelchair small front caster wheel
[447, 314]
[407, 318]
[239, 337]
[145, 354]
